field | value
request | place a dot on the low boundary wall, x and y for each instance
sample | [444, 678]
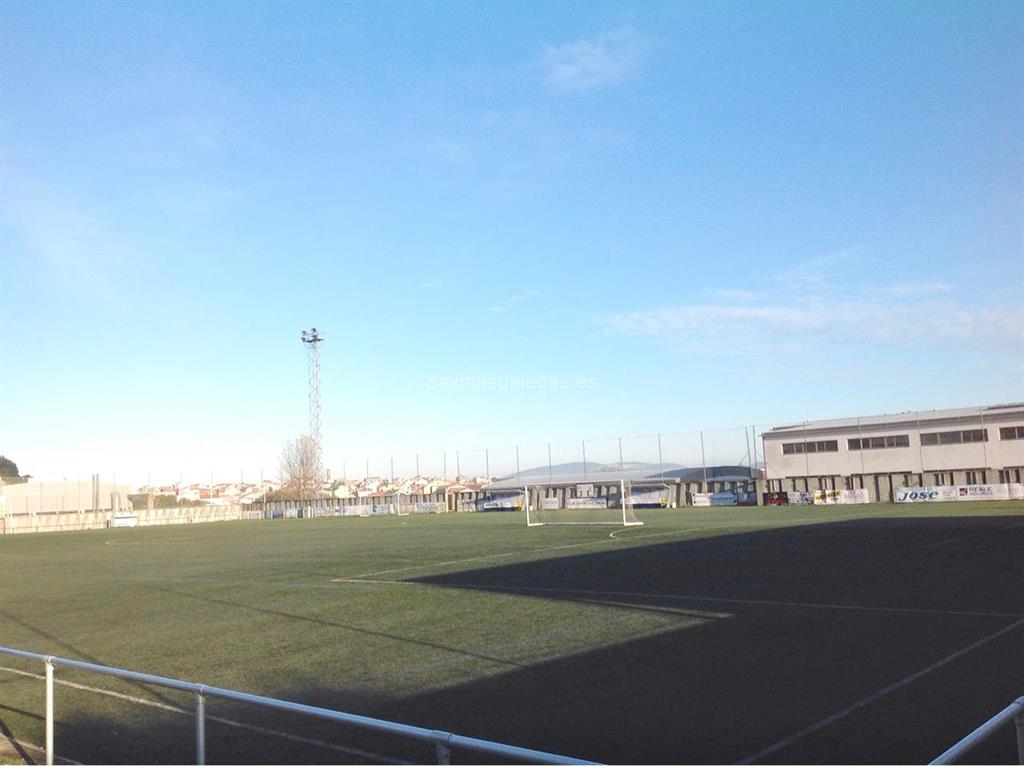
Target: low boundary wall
[67, 521]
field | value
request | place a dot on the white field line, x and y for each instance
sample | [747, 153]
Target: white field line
[971, 536]
[988, 547]
[142, 542]
[227, 721]
[880, 693]
[602, 541]
[683, 597]
[665, 615]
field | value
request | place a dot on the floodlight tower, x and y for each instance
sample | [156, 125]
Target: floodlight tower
[313, 339]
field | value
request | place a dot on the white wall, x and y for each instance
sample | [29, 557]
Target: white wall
[993, 455]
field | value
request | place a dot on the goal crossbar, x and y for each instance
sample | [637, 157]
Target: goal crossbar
[627, 517]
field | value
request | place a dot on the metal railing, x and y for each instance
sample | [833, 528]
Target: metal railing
[1012, 712]
[443, 741]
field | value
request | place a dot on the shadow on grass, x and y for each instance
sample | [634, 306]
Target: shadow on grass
[786, 655]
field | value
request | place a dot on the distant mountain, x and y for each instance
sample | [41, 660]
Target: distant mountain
[579, 468]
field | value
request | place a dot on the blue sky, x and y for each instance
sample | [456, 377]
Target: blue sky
[699, 215]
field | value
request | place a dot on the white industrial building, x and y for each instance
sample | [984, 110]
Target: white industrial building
[34, 497]
[880, 453]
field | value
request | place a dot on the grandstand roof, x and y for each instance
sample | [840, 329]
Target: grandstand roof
[641, 476]
[911, 416]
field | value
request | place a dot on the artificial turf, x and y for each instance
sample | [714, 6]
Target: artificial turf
[707, 635]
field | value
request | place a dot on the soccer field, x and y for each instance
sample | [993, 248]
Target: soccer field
[814, 634]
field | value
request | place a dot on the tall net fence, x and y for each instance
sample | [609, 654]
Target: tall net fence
[736, 449]
[911, 447]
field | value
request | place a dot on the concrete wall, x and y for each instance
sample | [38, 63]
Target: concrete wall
[12, 524]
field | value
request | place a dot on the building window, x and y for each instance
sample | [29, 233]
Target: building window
[879, 442]
[800, 448]
[1009, 476]
[1011, 432]
[976, 476]
[954, 437]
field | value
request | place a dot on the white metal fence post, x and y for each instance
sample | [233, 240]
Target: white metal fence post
[444, 742]
[1019, 720]
[444, 751]
[200, 729]
[49, 711]
[444, 754]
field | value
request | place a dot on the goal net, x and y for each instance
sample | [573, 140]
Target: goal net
[613, 509]
[401, 504]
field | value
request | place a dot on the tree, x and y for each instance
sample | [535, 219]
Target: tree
[8, 468]
[298, 466]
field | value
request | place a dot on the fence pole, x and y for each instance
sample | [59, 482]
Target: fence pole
[1019, 721]
[49, 711]
[750, 462]
[703, 462]
[200, 728]
[444, 750]
[661, 462]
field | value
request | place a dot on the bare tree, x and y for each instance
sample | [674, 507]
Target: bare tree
[298, 468]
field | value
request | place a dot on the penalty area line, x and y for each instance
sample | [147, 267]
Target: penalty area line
[527, 552]
[824, 722]
[681, 597]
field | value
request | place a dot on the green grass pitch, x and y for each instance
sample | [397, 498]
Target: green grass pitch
[816, 634]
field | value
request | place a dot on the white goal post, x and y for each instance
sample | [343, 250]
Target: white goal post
[622, 515]
[398, 508]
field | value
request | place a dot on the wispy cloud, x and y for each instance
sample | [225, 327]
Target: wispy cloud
[732, 295]
[918, 288]
[70, 243]
[768, 325]
[595, 62]
[512, 301]
[816, 272]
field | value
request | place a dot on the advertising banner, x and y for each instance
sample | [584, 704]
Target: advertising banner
[512, 501]
[704, 499]
[649, 497]
[123, 519]
[926, 494]
[983, 492]
[800, 498]
[549, 504]
[827, 497]
[854, 496]
[586, 502]
[1016, 491]
[428, 507]
[775, 498]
